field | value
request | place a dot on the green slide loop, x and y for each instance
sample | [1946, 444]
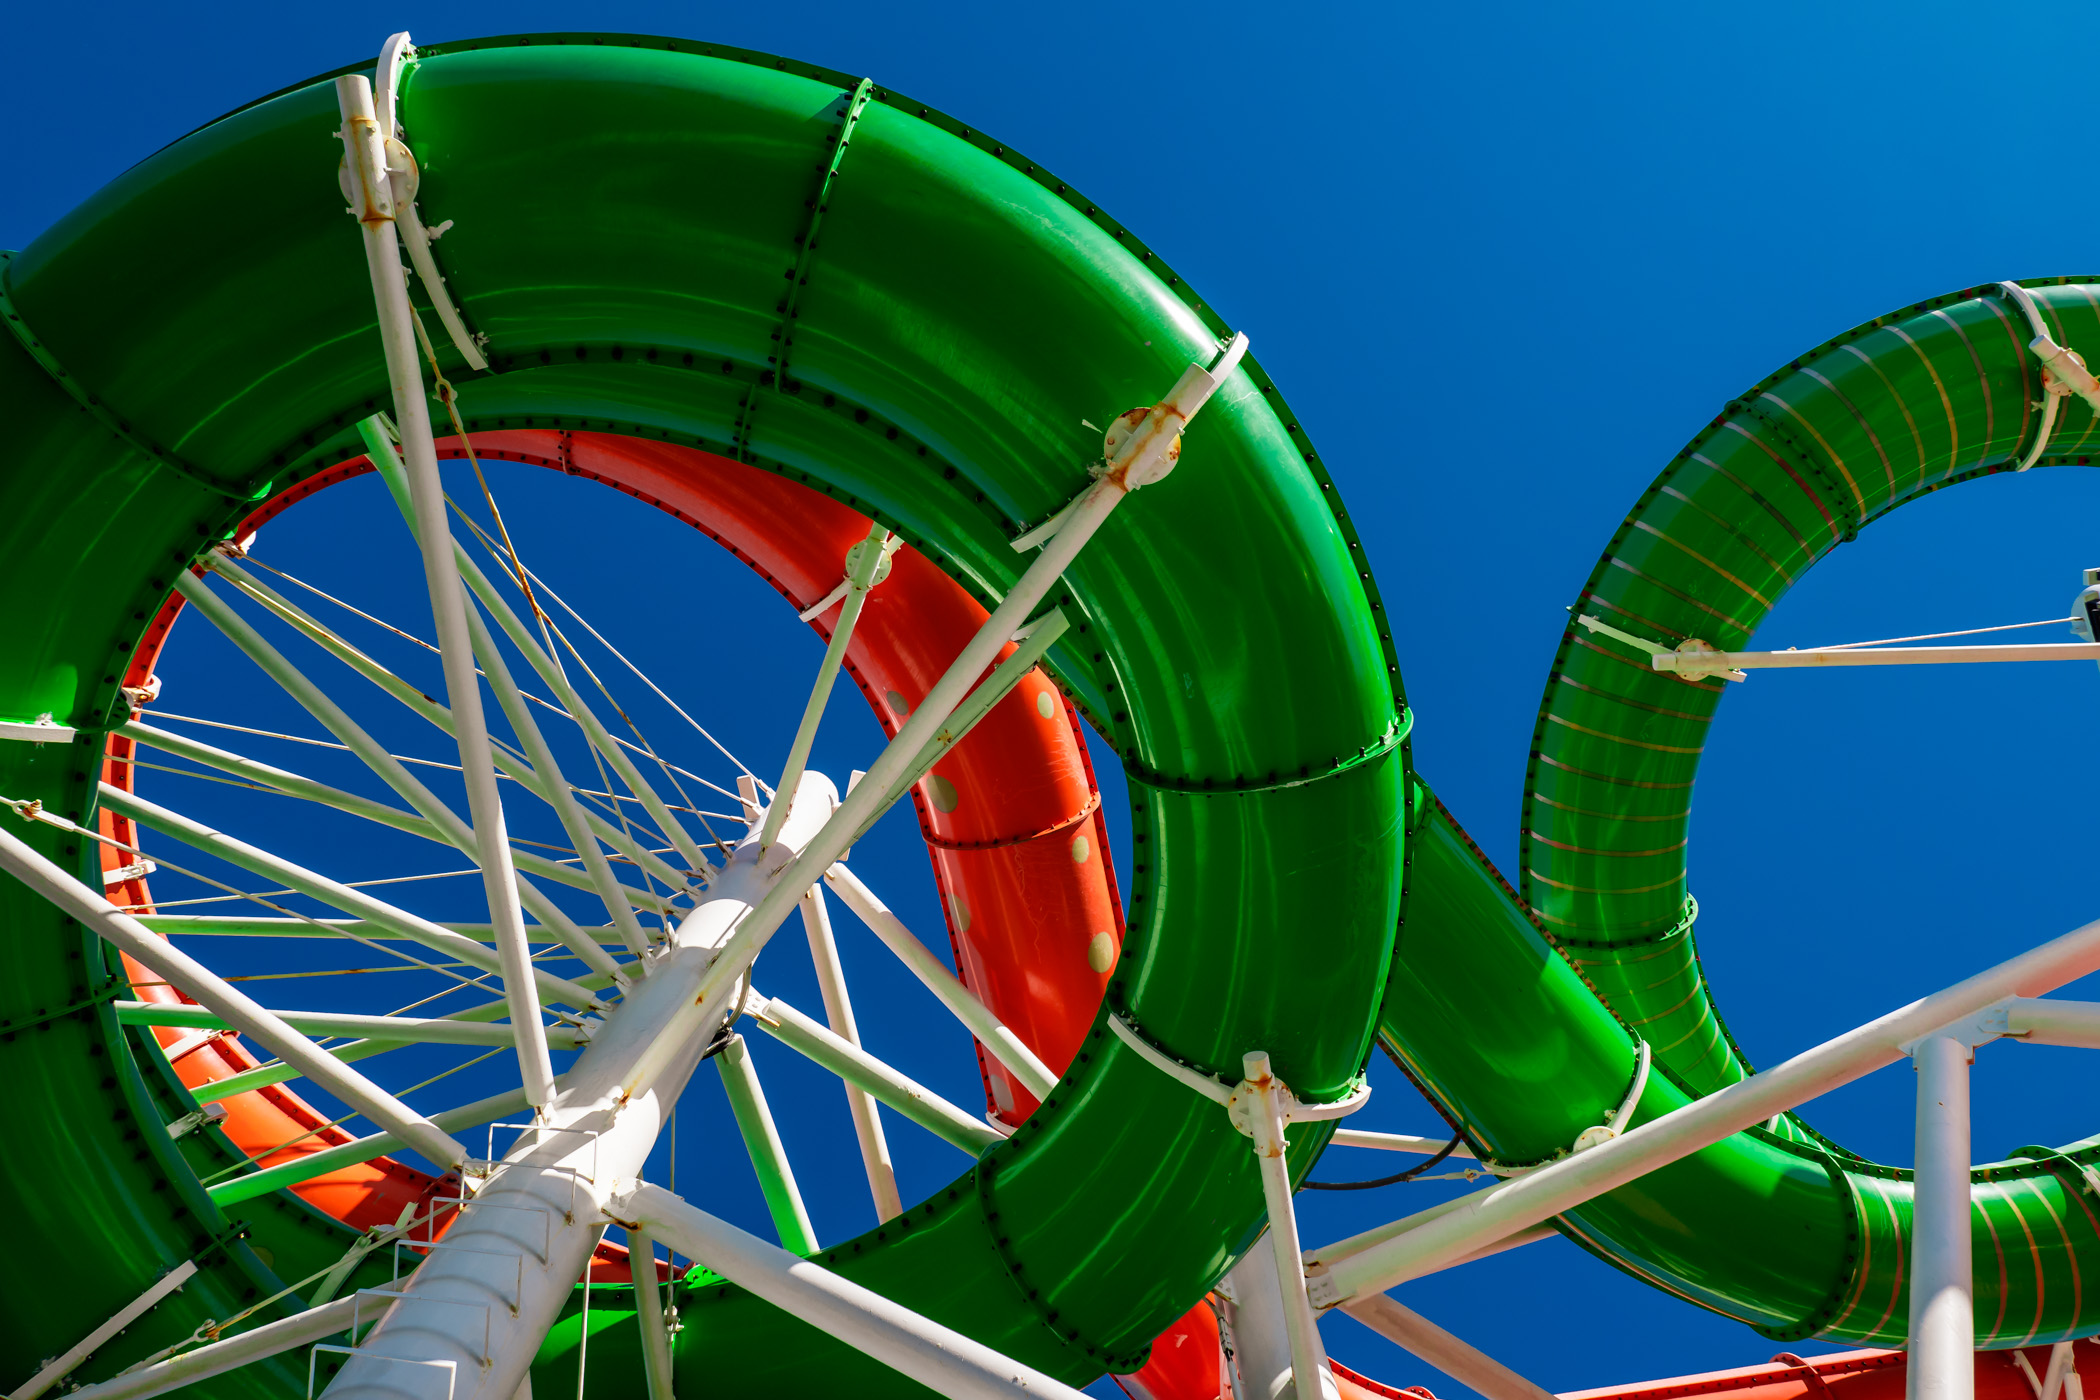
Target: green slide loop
[1776, 1226]
[633, 230]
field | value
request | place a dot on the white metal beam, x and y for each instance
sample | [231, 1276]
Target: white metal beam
[1707, 663]
[1942, 1285]
[856, 1066]
[943, 1360]
[1464, 1363]
[239, 1010]
[375, 204]
[649, 1314]
[1436, 1238]
[217, 1358]
[1004, 1046]
[61, 1366]
[427, 1030]
[344, 897]
[838, 1010]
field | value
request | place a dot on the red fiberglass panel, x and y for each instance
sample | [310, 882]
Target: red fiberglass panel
[1013, 819]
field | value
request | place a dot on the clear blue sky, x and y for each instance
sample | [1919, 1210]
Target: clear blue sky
[1505, 260]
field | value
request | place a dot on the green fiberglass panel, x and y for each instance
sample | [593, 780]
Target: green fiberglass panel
[626, 217]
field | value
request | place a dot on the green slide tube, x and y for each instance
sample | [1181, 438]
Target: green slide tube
[627, 216]
[1777, 1226]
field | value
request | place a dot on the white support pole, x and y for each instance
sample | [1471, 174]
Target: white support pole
[516, 1256]
[943, 1360]
[992, 1033]
[1264, 1116]
[857, 1067]
[754, 1121]
[373, 198]
[217, 1358]
[1706, 663]
[558, 793]
[838, 1011]
[425, 1030]
[278, 926]
[1144, 457]
[239, 1010]
[1942, 1288]
[1398, 1142]
[344, 897]
[2040, 1021]
[59, 1367]
[649, 1314]
[1441, 1236]
[863, 563]
[1466, 1364]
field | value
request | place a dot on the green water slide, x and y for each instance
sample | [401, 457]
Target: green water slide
[1778, 1226]
[635, 228]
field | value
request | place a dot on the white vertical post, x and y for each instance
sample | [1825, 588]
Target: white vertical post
[1942, 1288]
[649, 1314]
[1308, 1356]
[372, 194]
[838, 1012]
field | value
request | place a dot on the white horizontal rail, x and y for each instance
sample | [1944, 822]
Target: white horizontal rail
[431, 1030]
[857, 1067]
[1460, 1360]
[1399, 1142]
[1005, 1047]
[945, 1361]
[1437, 1238]
[1706, 663]
[2040, 1021]
[217, 1358]
[272, 926]
[261, 862]
[240, 1011]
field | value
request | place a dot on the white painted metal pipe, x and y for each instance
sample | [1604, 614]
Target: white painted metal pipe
[239, 1010]
[1265, 1116]
[276, 926]
[234, 1190]
[556, 789]
[1261, 1337]
[537, 1217]
[1146, 456]
[649, 1314]
[1399, 1142]
[1424, 1243]
[1942, 1286]
[2045, 1021]
[1706, 663]
[863, 562]
[1464, 1363]
[838, 1011]
[943, 1360]
[856, 1066]
[429, 1030]
[61, 1366]
[374, 203]
[298, 785]
[344, 897]
[992, 1033]
[217, 1358]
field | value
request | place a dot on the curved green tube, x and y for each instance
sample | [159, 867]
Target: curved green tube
[627, 214]
[1779, 1228]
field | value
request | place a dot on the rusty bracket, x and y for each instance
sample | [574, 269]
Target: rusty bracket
[38, 351]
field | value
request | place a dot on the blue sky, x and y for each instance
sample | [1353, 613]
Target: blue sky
[1505, 260]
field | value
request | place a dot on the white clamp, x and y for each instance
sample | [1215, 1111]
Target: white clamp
[1661, 658]
[1239, 1100]
[2063, 373]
